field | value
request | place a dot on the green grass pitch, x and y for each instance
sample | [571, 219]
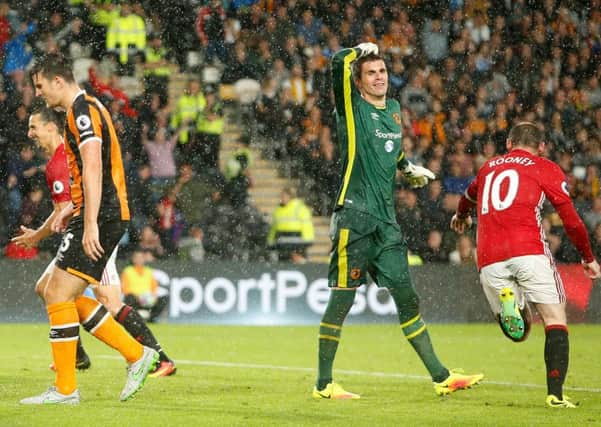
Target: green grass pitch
[262, 376]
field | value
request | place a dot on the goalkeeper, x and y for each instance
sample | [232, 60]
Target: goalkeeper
[365, 234]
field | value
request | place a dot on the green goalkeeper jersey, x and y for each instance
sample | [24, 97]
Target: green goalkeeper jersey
[370, 144]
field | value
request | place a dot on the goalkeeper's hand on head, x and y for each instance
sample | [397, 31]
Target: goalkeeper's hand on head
[367, 49]
[417, 176]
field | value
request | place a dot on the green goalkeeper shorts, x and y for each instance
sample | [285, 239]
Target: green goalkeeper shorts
[364, 244]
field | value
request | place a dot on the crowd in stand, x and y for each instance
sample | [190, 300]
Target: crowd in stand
[464, 72]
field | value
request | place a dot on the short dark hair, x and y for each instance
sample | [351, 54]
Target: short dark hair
[47, 114]
[357, 64]
[526, 134]
[53, 65]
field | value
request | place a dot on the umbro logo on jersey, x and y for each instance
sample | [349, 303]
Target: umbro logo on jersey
[374, 116]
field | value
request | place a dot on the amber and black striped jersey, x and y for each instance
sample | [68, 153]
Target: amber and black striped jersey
[88, 120]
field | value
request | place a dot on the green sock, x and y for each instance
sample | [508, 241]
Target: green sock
[330, 328]
[415, 331]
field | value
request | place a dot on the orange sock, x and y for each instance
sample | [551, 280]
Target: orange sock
[64, 333]
[98, 321]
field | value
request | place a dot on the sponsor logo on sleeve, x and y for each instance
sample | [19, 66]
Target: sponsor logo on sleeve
[57, 187]
[83, 122]
[564, 187]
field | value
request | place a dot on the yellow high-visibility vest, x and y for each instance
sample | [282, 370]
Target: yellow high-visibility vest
[293, 217]
[125, 31]
[103, 17]
[188, 107]
[153, 56]
[138, 281]
[214, 127]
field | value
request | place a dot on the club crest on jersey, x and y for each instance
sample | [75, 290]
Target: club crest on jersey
[374, 116]
[355, 273]
[83, 122]
[57, 187]
[389, 146]
[397, 118]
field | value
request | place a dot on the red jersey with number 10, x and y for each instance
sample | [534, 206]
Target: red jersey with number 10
[509, 191]
[57, 176]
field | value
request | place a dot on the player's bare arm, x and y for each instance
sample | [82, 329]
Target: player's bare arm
[592, 269]
[92, 185]
[459, 224]
[30, 237]
[462, 219]
[59, 224]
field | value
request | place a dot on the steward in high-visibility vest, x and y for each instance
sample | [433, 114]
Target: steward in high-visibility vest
[156, 68]
[103, 13]
[140, 288]
[138, 280]
[210, 128]
[187, 110]
[292, 228]
[126, 35]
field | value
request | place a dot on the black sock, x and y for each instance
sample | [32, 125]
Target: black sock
[557, 352]
[135, 325]
[81, 352]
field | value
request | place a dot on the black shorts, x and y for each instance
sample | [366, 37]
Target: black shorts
[71, 256]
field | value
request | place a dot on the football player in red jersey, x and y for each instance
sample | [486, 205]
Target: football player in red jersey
[515, 263]
[45, 127]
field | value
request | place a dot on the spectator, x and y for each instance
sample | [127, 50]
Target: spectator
[197, 194]
[23, 172]
[210, 28]
[464, 253]
[160, 147]
[592, 217]
[434, 250]
[238, 178]
[141, 290]
[309, 28]
[191, 247]
[240, 66]
[410, 218]
[435, 41]
[150, 244]
[170, 223]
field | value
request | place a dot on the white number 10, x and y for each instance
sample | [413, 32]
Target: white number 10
[492, 190]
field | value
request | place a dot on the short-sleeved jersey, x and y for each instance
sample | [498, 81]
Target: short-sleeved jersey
[88, 120]
[370, 144]
[57, 176]
[509, 192]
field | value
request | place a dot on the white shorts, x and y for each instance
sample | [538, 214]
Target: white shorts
[110, 275]
[533, 278]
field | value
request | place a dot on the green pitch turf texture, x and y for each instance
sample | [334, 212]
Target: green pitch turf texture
[262, 376]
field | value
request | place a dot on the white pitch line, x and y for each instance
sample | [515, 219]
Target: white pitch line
[349, 372]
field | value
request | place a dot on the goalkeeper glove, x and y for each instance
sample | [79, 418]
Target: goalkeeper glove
[367, 49]
[417, 176]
